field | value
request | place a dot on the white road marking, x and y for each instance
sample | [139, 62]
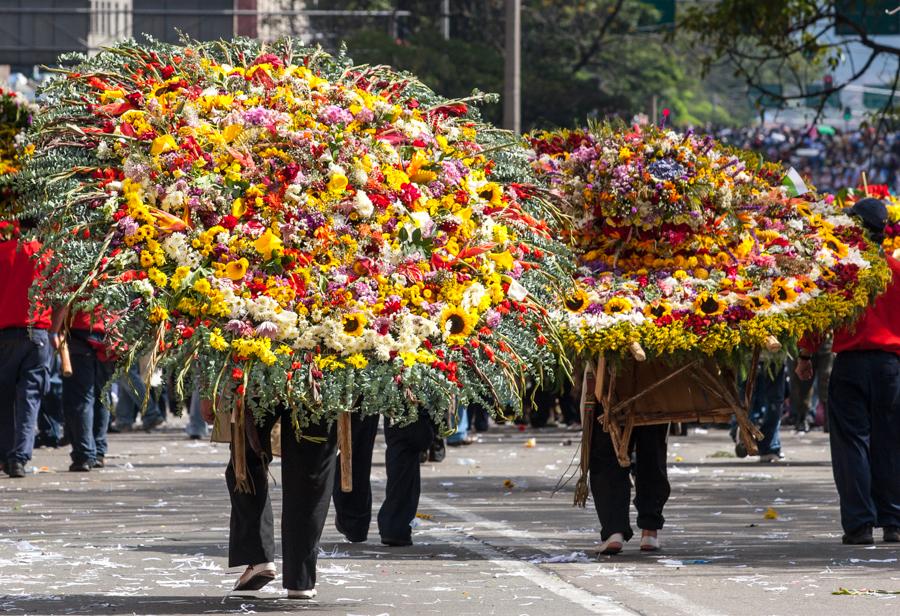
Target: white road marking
[596, 604]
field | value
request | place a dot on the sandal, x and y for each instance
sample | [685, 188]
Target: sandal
[255, 577]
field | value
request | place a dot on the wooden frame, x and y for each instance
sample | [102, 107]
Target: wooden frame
[700, 391]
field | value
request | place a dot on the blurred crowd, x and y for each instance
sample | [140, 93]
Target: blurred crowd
[831, 158]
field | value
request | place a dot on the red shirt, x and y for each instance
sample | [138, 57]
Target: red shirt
[879, 327]
[18, 269]
[88, 322]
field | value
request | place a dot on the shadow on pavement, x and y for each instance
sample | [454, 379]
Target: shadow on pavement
[141, 606]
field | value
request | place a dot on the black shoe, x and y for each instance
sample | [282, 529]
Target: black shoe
[100, 462]
[438, 451]
[892, 534]
[862, 536]
[194, 437]
[396, 543]
[351, 537]
[153, 425]
[80, 467]
[740, 451]
[16, 470]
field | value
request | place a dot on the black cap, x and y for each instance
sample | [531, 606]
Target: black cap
[872, 212]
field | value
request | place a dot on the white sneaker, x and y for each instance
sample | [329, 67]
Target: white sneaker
[649, 543]
[613, 545]
[255, 577]
[302, 594]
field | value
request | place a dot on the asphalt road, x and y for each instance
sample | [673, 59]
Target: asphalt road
[148, 535]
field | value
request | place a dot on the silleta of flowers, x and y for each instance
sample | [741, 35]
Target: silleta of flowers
[301, 231]
[686, 246]
[15, 117]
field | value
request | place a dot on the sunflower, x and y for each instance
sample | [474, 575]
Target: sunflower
[354, 323]
[756, 302]
[657, 309]
[782, 291]
[835, 245]
[576, 301]
[709, 304]
[491, 192]
[456, 322]
[325, 260]
[617, 305]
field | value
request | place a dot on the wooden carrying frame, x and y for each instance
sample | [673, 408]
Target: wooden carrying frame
[651, 393]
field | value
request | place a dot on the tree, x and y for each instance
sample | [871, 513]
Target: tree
[786, 50]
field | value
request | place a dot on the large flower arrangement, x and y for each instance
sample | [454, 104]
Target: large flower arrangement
[687, 246]
[15, 116]
[301, 231]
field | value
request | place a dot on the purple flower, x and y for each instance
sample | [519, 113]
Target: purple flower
[267, 329]
[332, 114]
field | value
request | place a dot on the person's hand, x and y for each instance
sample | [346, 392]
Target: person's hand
[54, 340]
[804, 369]
[207, 410]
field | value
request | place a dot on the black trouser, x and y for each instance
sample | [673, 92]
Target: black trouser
[611, 485]
[864, 415]
[353, 510]
[307, 470]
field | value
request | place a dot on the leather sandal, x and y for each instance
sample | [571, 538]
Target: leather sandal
[255, 577]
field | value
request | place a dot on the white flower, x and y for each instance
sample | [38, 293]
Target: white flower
[472, 296]
[516, 291]
[362, 204]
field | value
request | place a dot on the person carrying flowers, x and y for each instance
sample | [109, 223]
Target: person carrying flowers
[864, 402]
[310, 238]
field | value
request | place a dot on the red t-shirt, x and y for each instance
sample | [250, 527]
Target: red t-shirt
[18, 269]
[86, 321]
[879, 327]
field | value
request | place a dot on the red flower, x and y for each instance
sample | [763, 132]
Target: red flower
[237, 374]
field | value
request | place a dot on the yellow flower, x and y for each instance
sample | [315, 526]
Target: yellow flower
[416, 172]
[617, 305]
[238, 207]
[267, 243]
[657, 309]
[357, 360]
[504, 260]
[147, 259]
[337, 183]
[157, 277]
[236, 269]
[756, 302]
[576, 301]
[456, 323]
[839, 248]
[164, 143]
[158, 314]
[782, 291]
[216, 340]
[709, 304]
[354, 323]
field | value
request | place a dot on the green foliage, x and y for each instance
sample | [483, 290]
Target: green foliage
[579, 59]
